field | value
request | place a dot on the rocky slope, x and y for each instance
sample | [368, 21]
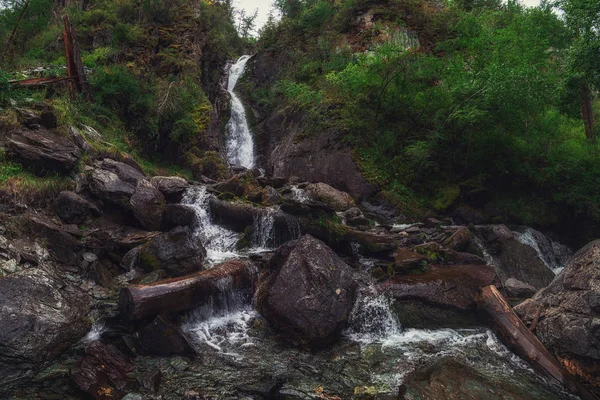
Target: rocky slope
[340, 298]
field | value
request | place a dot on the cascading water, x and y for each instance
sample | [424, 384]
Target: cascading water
[299, 194]
[218, 241]
[240, 145]
[553, 254]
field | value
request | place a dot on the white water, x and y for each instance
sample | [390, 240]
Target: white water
[98, 329]
[240, 145]
[222, 323]
[553, 254]
[218, 241]
[263, 230]
[299, 194]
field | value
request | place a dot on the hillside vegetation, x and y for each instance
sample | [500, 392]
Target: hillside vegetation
[443, 103]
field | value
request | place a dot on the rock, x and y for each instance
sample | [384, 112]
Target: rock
[62, 245]
[178, 215]
[105, 372]
[172, 187]
[40, 318]
[124, 171]
[74, 209]
[309, 292]
[405, 259]
[234, 185]
[178, 252]
[459, 240]
[271, 196]
[432, 223]
[467, 215]
[446, 286]
[308, 207]
[160, 338]
[512, 258]
[109, 187]
[43, 151]
[152, 379]
[148, 204]
[449, 379]
[516, 288]
[339, 200]
[569, 309]
[354, 217]
[79, 140]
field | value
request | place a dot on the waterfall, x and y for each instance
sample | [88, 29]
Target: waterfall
[269, 230]
[299, 194]
[218, 241]
[240, 145]
[222, 323]
[553, 254]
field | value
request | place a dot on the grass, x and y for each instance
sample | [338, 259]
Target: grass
[21, 186]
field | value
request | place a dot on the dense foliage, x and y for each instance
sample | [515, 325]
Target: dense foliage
[154, 66]
[466, 102]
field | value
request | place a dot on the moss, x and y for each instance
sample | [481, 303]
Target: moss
[446, 198]
[211, 164]
[148, 261]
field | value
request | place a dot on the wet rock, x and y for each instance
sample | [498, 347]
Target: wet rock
[271, 196]
[109, 187]
[148, 204]
[125, 172]
[152, 379]
[569, 309]
[40, 318]
[449, 379]
[354, 217]
[516, 288]
[308, 207]
[172, 187]
[178, 252]
[459, 240]
[74, 209]
[309, 292]
[445, 286]
[178, 215]
[43, 151]
[62, 245]
[161, 338]
[105, 372]
[405, 259]
[512, 258]
[432, 223]
[339, 200]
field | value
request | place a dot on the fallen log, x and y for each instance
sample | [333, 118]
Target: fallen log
[174, 295]
[515, 335]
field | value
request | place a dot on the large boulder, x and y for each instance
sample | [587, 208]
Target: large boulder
[74, 209]
[339, 200]
[63, 246]
[43, 151]
[178, 215]
[178, 252]
[512, 258]
[568, 310]
[124, 171]
[40, 318]
[109, 187]
[105, 372]
[148, 204]
[172, 187]
[308, 293]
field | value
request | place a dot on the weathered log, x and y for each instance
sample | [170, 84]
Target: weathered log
[174, 295]
[515, 335]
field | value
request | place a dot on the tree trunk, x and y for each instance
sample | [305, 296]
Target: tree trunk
[515, 335]
[587, 112]
[179, 294]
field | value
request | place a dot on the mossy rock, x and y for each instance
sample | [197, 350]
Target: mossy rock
[211, 164]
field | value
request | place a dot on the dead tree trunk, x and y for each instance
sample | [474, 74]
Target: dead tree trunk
[179, 294]
[587, 112]
[515, 335]
[75, 70]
